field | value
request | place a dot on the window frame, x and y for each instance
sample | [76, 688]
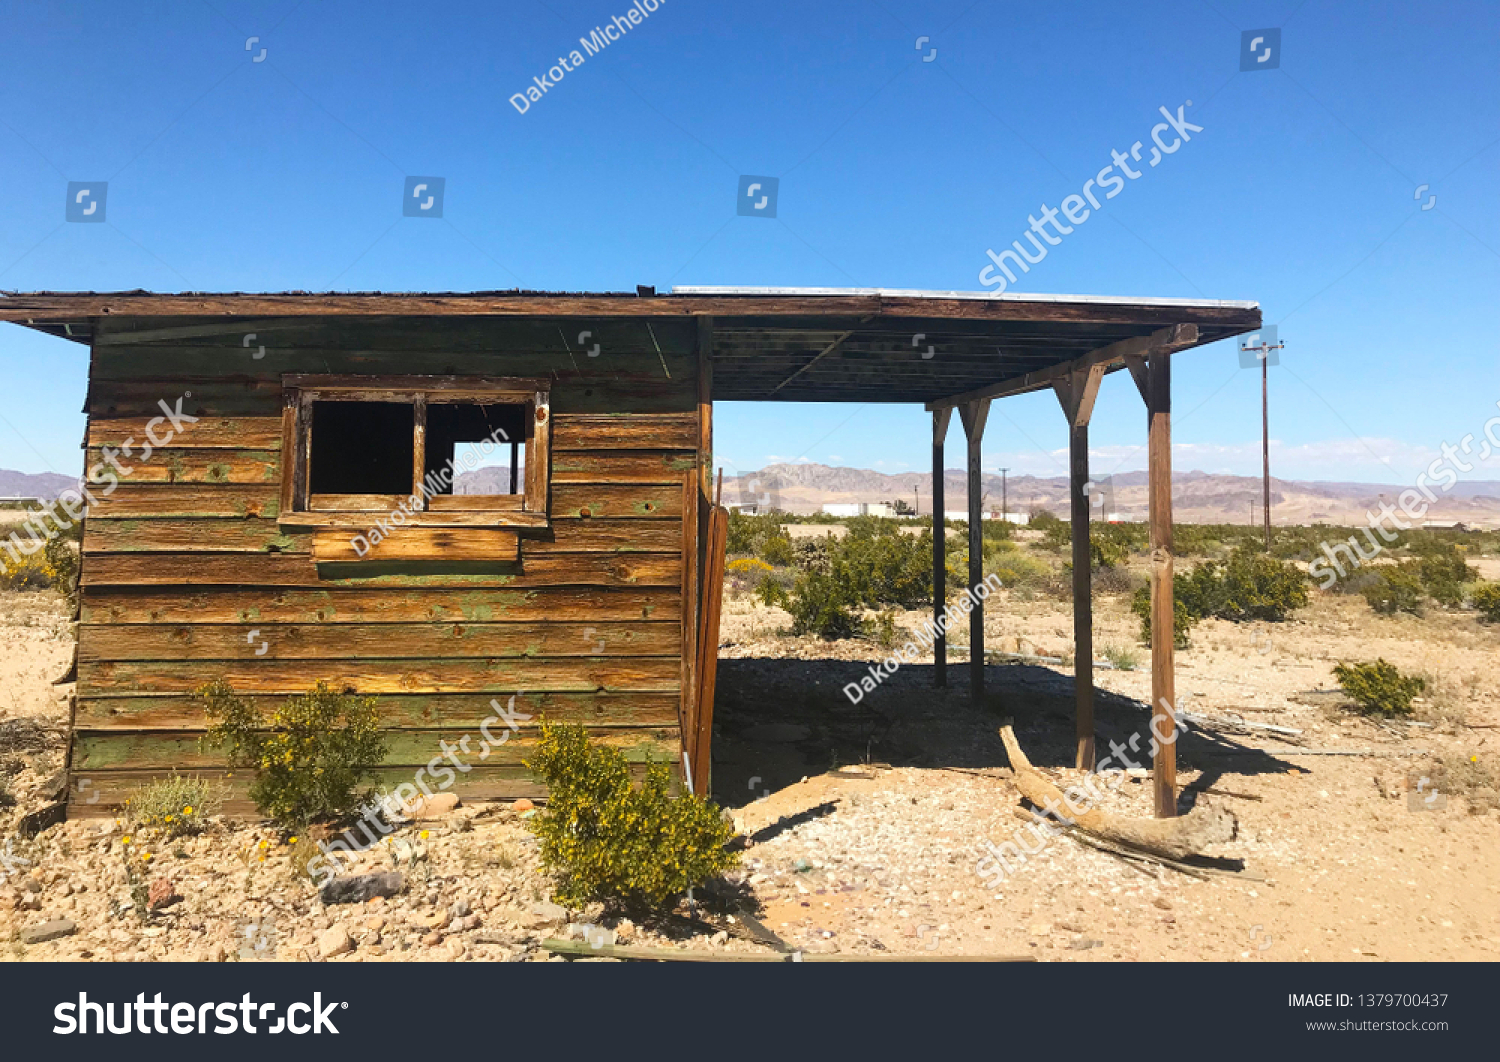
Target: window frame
[300, 508]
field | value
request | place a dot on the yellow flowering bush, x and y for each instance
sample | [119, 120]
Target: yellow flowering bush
[607, 839]
[176, 805]
[310, 756]
[55, 564]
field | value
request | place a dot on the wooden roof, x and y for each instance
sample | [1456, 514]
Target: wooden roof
[777, 344]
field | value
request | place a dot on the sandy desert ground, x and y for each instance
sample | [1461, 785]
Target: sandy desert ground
[866, 821]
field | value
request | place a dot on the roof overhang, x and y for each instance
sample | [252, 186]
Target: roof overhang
[781, 344]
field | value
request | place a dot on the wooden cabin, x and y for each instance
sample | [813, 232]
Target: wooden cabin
[244, 453]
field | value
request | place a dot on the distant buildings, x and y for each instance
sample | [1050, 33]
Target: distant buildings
[859, 509]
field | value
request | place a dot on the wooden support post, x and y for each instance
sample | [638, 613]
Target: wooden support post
[940, 419]
[1157, 372]
[974, 414]
[1077, 393]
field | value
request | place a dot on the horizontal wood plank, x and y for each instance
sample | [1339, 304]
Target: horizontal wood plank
[229, 397]
[155, 501]
[102, 793]
[278, 570]
[231, 433]
[271, 675]
[419, 543]
[102, 605]
[181, 750]
[189, 464]
[342, 641]
[176, 711]
[588, 432]
[255, 535]
[622, 466]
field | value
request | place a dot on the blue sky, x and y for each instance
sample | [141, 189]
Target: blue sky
[1300, 192]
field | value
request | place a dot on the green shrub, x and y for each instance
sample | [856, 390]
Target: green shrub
[1487, 600]
[760, 536]
[1183, 619]
[177, 804]
[1105, 553]
[1443, 572]
[825, 604]
[886, 567]
[310, 756]
[609, 840]
[1248, 586]
[1122, 656]
[1017, 568]
[1379, 688]
[1395, 588]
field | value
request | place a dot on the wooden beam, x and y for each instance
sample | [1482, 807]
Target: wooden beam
[1169, 339]
[200, 331]
[1136, 363]
[829, 349]
[940, 419]
[974, 414]
[1163, 675]
[1077, 393]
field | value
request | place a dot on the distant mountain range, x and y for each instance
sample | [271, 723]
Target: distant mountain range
[47, 485]
[1197, 497]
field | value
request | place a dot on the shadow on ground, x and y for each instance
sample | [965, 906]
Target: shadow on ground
[778, 720]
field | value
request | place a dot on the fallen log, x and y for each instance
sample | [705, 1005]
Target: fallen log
[1173, 838]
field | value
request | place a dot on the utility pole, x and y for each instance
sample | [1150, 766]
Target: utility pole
[1263, 352]
[1004, 498]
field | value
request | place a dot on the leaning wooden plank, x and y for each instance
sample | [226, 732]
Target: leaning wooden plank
[583, 949]
[1175, 837]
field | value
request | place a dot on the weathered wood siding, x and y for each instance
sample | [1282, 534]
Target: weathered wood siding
[188, 575]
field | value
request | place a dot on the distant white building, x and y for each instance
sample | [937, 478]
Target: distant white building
[963, 514]
[744, 508]
[858, 509]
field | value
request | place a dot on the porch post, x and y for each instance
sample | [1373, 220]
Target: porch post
[974, 414]
[1158, 373]
[940, 418]
[1077, 393]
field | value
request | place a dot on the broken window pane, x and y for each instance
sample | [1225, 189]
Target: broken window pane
[361, 448]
